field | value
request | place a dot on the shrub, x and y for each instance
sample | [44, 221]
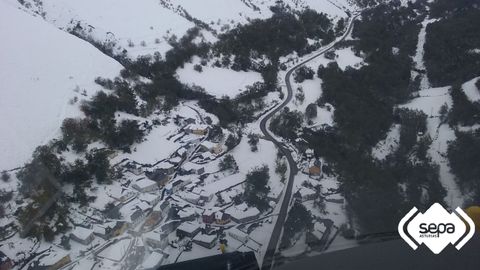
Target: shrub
[303, 73]
[228, 163]
[311, 111]
[198, 68]
[5, 176]
[253, 140]
[256, 187]
[291, 119]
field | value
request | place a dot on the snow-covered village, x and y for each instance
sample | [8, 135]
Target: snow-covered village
[141, 134]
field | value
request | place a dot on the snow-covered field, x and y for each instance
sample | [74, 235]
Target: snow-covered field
[43, 68]
[471, 90]
[429, 102]
[389, 144]
[218, 81]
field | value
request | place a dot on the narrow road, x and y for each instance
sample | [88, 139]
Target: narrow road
[268, 261]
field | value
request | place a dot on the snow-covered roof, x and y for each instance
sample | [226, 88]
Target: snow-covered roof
[187, 212]
[191, 166]
[164, 165]
[145, 183]
[82, 233]
[191, 196]
[205, 238]
[207, 155]
[304, 191]
[117, 191]
[143, 206]
[209, 144]
[148, 197]
[197, 126]
[188, 227]
[176, 160]
[238, 211]
[319, 226]
[318, 230]
[181, 151]
[101, 228]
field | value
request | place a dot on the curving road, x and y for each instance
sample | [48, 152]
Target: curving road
[268, 261]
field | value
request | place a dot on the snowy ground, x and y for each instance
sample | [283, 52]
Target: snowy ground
[218, 81]
[471, 90]
[389, 144]
[429, 102]
[118, 20]
[418, 58]
[43, 68]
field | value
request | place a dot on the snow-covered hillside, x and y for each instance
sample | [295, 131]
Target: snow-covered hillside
[144, 27]
[43, 70]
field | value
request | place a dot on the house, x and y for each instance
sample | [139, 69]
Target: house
[5, 262]
[242, 213]
[136, 217]
[164, 206]
[176, 186]
[214, 148]
[207, 156]
[222, 218]
[166, 167]
[318, 235]
[151, 199]
[82, 235]
[189, 120]
[170, 226]
[314, 168]
[193, 168]
[187, 214]
[305, 194]
[308, 194]
[197, 129]
[204, 194]
[188, 229]
[191, 197]
[205, 240]
[182, 152]
[104, 230]
[119, 193]
[145, 185]
[120, 228]
[238, 235]
[159, 175]
[134, 168]
[223, 198]
[309, 153]
[153, 261]
[156, 239]
[208, 216]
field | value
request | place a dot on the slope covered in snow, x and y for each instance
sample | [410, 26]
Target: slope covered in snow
[43, 68]
[145, 27]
